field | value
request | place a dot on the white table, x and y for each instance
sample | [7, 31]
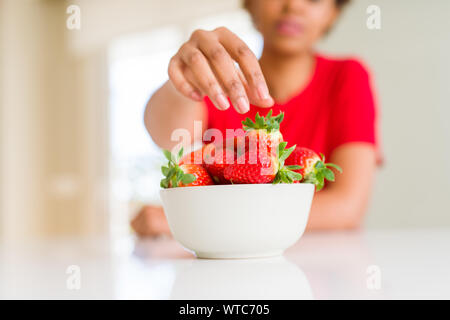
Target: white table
[393, 264]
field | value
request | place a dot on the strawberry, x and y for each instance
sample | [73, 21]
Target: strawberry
[197, 156]
[261, 170]
[202, 177]
[313, 167]
[216, 161]
[259, 166]
[184, 175]
[264, 132]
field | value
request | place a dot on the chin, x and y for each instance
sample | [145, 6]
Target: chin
[289, 46]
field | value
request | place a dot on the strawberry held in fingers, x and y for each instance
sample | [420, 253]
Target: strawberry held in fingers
[313, 168]
[263, 132]
[185, 175]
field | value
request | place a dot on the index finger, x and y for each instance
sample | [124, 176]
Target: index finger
[249, 65]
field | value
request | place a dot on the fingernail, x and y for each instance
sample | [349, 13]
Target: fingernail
[242, 105]
[223, 102]
[263, 92]
[196, 96]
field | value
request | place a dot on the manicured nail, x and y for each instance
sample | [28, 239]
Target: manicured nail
[242, 105]
[263, 92]
[222, 101]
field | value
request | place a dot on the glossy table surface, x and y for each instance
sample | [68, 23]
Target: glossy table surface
[375, 264]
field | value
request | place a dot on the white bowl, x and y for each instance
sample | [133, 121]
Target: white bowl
[238, 221]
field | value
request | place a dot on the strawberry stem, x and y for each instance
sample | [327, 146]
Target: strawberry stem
[173, 174]
[268, 122]
[321, 172]
[286, 174]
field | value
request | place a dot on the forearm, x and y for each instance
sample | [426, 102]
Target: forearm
[342, 204]
[332, 211]
[167, 110]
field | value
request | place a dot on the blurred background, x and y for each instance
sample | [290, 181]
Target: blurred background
[76, 160]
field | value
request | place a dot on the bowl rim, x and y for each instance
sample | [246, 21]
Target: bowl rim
[244, 186]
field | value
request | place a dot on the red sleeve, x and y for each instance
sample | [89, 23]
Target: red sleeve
[354, 113]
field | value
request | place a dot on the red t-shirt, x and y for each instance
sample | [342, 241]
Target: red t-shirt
[336, 107]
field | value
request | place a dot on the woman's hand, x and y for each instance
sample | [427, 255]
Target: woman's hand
[205, 65]
[150, 222]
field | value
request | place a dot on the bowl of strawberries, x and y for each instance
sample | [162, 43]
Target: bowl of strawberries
[243, 196]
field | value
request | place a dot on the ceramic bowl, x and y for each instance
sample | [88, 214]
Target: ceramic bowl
[238, 221]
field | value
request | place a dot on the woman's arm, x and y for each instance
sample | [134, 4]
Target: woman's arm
[341, 205]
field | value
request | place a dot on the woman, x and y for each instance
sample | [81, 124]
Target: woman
[328, 103]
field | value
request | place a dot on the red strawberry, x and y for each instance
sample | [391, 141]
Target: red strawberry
[185, 175]
[304, 157]
[216, 161]
[252, 167]
[236, 143]
[264, 132]
[197, 156]
[202, 177]
[258, 166]
[313, 168]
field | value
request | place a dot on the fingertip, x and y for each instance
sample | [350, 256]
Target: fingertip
[267, 103]
[195, 95]
[242, 105]
[222, 102]
[263, 91]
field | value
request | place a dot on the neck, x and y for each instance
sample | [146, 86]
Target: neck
[286, 75]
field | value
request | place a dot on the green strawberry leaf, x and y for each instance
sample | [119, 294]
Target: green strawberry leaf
[281, 147]
[319, 165]
[188, 178]
[320, 175]
[180, 154]
[319, 186]
[248, 124]
[268, 122]
[165, 170]
[279, 118]
[259, 121]
[173, 173]
[294, 175]
[335, 166]
[285, 179]
[294, 167]
[174, 181]
[328, 174]
[286, 153]
[277, 179]
[180, 174]
[168, 155]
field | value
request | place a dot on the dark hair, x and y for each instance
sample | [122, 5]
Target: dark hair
[341, 3]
